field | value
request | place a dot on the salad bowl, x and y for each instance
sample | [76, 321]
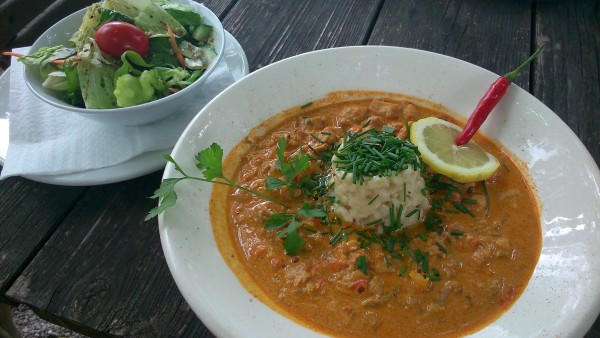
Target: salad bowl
[145, 113]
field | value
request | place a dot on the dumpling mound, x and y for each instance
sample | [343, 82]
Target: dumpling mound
[377, 180]
[371, 202]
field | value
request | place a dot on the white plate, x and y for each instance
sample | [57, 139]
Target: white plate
[563, 296]
[138, 166]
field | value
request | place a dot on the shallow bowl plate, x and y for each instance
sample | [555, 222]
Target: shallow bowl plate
[563, 296]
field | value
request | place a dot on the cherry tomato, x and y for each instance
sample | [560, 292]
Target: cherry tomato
[116, 37]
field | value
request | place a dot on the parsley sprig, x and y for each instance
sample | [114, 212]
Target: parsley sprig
[210, 163]
[290, 170]
[289, 224]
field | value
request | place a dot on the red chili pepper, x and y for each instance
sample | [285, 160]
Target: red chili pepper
[489, 100]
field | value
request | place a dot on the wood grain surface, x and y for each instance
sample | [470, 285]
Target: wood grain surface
[84, 257]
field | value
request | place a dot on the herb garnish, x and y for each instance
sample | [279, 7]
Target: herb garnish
[289, 170]
[210, 162]
[375, 153]
[361, 263]
[293, 243]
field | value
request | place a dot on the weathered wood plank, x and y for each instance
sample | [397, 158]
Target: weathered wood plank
[20, 25]
[273, 30]
[474, 31]
[31, 213]
[219, 7]
[15, 16]
[567, 76]
[108, 269]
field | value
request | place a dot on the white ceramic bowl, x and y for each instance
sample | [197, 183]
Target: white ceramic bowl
[563, 295]
[142, 114]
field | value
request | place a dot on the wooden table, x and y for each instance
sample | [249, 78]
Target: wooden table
[84, 258]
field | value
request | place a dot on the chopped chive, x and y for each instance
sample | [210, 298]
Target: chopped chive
[374, 222]
[361, 263]
[398, 223]
[402, 271]
[306, 105]
[460, 207]
[441, 247]
[376, 153]
[410, 254]
[425, 262]
[373, 199]
[309, 229]
[336, 237]
[487, 198]
[434, 275]
[456, 233]
[414, 211]
[311, 148]
[317, 138]
[387, 129]
[312, 157]
[422, 237]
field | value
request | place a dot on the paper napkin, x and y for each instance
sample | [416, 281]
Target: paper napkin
[45, 140]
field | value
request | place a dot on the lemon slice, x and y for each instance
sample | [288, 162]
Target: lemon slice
[435, 139]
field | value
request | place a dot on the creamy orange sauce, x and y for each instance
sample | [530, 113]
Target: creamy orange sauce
[484, 258]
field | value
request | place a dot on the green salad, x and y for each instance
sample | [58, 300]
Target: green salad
[128, 52]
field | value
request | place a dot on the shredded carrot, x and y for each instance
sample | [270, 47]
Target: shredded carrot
[174, 46]
[60, 62]
[12, 54]
[56, 62]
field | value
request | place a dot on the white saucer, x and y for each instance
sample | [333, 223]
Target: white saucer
[138, 166]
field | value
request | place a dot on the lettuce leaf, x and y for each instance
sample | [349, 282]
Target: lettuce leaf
[97, 84]
[87, 30]
[46, 55]
[147, 15]
[73, 94]
[178, 77]
[161, 52]
[183, 13]
[133, 64]
[109, 15]
[132, 91]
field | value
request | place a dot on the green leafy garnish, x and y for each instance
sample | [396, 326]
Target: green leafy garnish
[376, 153]
[361, 263]
[289, 170]
[209, 162]
[289, 224]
